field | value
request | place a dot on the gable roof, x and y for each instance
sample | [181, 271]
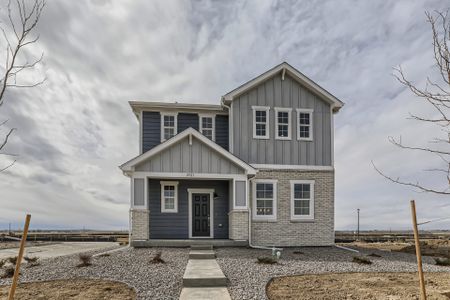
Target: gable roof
[129, 165]
[284, 68]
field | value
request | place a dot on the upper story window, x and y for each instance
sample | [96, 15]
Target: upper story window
[283, 123]
[169, 196]
[264, 199]
[168, 125]
[207, 126]
[305, 124]
[260, 122]
[302, 199]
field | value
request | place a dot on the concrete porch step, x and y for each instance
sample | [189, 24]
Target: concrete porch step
[202, 247]
[210, 293]
[203, 273]
[202, 254]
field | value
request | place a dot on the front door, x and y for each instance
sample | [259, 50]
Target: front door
[200, 215]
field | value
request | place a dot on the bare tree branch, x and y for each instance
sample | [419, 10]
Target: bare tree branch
[417, 185]
[438, 96]
[22, 22]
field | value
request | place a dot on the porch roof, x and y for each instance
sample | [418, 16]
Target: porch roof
[188, 152]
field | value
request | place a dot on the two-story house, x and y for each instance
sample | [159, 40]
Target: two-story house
[257, 169]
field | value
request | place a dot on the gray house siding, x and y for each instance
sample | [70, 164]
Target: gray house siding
[151, 130]
[175, 225]
[184, 158]
[222, 131]
[276, 92]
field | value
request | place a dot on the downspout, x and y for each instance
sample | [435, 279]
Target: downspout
[275, 251]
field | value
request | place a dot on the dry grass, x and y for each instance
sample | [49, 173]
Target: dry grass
[358, 286]
[72, 289]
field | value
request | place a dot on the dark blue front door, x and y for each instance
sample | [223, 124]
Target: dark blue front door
[200, 215]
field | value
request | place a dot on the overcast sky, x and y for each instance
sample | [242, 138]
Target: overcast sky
[74, 130]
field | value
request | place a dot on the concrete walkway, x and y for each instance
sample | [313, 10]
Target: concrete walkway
[55, 250]
[203, 278]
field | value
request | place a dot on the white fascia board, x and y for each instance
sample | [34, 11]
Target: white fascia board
[297, 75]
[293, 167]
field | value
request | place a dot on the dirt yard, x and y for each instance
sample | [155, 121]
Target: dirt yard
[358, 286]
[437, 248]
[75, 289]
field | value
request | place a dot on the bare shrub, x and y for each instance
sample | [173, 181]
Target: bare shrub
[374, 255]
[442, 261]
[266, 260]
[8, 272]
[2, 263]
[157, 259]
[361, 260]
[85, 260]
[31, 259]
[13, 260]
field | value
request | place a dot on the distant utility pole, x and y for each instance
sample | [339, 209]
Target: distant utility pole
[357, 230]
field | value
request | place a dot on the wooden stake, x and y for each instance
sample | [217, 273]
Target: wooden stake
[418, 253]
[19, 258]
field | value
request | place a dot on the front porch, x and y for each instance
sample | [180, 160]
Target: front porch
[186, 190]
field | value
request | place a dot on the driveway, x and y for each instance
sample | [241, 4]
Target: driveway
[59, 249]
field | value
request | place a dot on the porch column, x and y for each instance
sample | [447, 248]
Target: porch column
[139, 212]
[238, 216]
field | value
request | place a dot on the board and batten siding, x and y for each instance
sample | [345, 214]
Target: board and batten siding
[151, 128]
[287, 93]
[175, 225]
[185, 158]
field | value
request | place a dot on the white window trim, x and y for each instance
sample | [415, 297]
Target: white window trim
[272, 217]
[175, 115]
[311, 128]
[311, 200]
[258, 108]
[211, 211]
[169, 183]
[289, 111]
[200, 125]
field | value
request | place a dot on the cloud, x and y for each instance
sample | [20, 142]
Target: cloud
[75, 130]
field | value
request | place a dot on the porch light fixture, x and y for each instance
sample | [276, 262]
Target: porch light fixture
[215, 196]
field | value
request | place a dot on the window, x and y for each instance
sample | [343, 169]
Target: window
[207, 126]
[260, 122]
[169, 196]
[168, 126]
[302, 199]
[304, 124]
[138, 193]
[264, 199]
[283, 123]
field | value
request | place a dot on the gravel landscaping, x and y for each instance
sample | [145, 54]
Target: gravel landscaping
[131, 266]
[248, 279]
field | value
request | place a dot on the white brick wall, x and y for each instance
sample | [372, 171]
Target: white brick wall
[284, 232]
[238, 225]
[140, 224]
